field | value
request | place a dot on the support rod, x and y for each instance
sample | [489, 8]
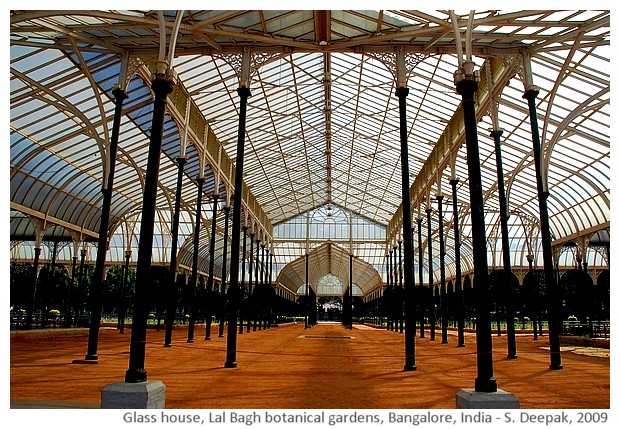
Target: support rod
[233, 289]
[209, 290]
[242, 307]
[223, 282]
[550, 281]
[458, 284]
[442, 270]
[421, 277]
[136, 372]
[431, 286]
[410, 314]
[507, 271]
[172, 287]
[194, 279]
[96, 289]
[485, 382]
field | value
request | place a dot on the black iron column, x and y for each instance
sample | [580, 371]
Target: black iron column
[242, 307]
[136, 372]
[442, 270]
[458, 286]
[431, 285]
[250, 313]
[307, 295]
[123, 312]
[270, 286]
[81, 287]
[261, 317]
[388, 304]
[530, 261]
[209, 287]
[70, 288]
[194, 280]
[401, 303]
[172, 284]
[255, 311]
[550, 281]
[223, 282]
[387, 286]
[401, 93]
[503, 216]
[33, 290]
[351, 291]
[394, 290]
[233, 289]
[485, 382]
[421, 277]
[96, 288]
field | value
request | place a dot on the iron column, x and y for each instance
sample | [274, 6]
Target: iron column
[242, 309]
[550, 281]
[233, 289]
[442, 270]
[460, 304]
[250, 300]
[172, 287]
[136, 372]
[223, 282]
[421, 276]
[431, 286]
[215, 197]
[307, 295]
[401, 93]
[485, 382]
[194, 280]
[503, 216]
[96, 290]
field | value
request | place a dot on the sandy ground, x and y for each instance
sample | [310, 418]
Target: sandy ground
[326, 366]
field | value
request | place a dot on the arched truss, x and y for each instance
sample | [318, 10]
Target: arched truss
[322, 124]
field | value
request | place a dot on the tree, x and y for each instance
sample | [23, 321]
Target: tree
[22, 274]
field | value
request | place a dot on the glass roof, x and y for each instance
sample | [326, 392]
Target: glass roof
[322, 127]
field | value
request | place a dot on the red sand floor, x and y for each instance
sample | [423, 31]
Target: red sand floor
[284, 367]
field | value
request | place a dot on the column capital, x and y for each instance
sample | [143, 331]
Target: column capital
[119, 93]
[181, 160]
[244, 92]
[402, 91]
[454, 181]
[531, 93]
[439, 197]
[466, 88]
[162, 87]
[496, 133]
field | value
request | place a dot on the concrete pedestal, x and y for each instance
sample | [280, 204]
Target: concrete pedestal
[470, 399]
[147, 394]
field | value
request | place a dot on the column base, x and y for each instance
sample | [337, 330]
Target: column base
[230, 365]
[470, 399]
[123, 395]
[87, 361]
